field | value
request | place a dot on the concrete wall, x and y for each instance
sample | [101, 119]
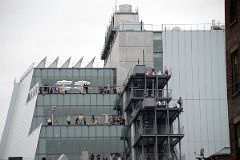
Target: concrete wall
[128, 49]
[16, 139]
[197, 62]
[124, 18]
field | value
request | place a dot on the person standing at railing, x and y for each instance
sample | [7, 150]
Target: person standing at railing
[76, 119]
[81, 119]
[108, 88]
[86, 87]
[68, 120]
[49, 122]
[114, 89]
[179, 102]
[165, 71]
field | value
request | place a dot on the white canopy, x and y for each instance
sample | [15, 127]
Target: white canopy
[64, 82]
[81, 83]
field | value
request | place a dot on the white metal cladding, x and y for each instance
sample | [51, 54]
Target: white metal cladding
[197, 63]
[18, 142]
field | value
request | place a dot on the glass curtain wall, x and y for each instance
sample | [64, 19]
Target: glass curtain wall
[158, 51]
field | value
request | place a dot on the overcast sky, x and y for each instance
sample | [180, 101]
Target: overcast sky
[33, 29]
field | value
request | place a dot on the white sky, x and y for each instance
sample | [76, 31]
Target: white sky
[33, 29]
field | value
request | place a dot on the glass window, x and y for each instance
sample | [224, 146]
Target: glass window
[44, 73]
[46, 100]
[106, 145]
[49, 131]
[100, 77]
[100, 99]
[53, 98]
[57, 73]
[56, 146]
[119, 131]
[56, 131]
[40, 100]
[50, 72]
[76, 73]
[233, 10]
[120, 145]
[63, 131]
[70, 130]
[60, 99]
[42, 145]
[92, 131]
[157, 46]
[93, 99]
[113, 131]
[114, 145]
[91, 145]
[37, 80]
[82, 74]
[69, 72]
[99, 145]
[78, 131]
[80, 99]
[235, 72]
[49, 146]
[112, 99]
[106, 131]
[63, 73]
[157, 42]
[84, 131]
[87, 99]
[106, 99]
[94, 110]
[73, 99]
[38, 72]
[158, 61]
[67, 100]
[99, 131]
[100, 110]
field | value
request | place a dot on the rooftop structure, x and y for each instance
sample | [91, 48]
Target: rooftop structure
[154, 125]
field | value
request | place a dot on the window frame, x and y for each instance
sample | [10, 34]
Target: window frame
[235, 71]
[233, 12]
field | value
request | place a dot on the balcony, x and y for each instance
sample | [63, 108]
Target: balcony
[163, 131]
[140, 94]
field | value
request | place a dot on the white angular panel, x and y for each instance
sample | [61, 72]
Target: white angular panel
[54, 64]
[66, 64]
[78, 64]
[90, 64]
[42, 64]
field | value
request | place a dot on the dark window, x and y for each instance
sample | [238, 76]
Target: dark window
[233, 11]
[235, 70]
[15, 158]
[237, 129]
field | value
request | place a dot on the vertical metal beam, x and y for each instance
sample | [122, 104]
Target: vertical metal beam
[168, 125]
[179, 130]
[145, 85]
[155, 121]
[157, 86]
[156, 148]
[142, 150]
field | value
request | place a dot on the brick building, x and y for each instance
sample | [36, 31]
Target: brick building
[232, 18]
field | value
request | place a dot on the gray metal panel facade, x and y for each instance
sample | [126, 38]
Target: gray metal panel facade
[197, 62]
